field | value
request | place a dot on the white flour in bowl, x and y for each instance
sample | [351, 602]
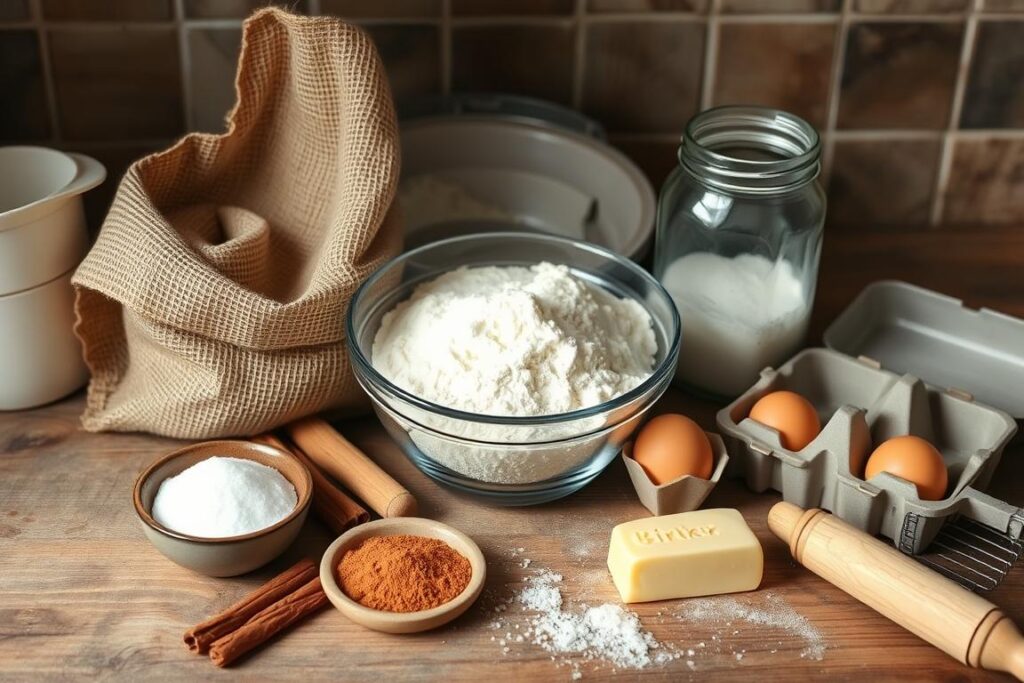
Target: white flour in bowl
[513, 341]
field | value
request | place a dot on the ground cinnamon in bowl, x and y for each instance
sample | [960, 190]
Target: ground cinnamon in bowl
[403, 573]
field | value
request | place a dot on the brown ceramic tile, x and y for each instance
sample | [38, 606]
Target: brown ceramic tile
[986, 182]
[374, 9]
[599, 6]
[214, 60]
[779, 6]
[882, 182]
[991, 101]
[787, 66]
[116, 158]
[107, 10]
[1003, 6]
[655, 158]
[524, 60]
[14, 10]
[228, 9]
[412, 56]
[643, 76]
[911, 6]
[899, 75]
[482, 8]
[24, 114]
[117, 84]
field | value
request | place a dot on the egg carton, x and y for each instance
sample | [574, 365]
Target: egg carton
[861, 404]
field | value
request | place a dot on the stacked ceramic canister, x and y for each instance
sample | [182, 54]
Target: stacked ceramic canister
[43, 237]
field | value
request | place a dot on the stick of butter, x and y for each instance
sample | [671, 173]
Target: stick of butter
[705, 552]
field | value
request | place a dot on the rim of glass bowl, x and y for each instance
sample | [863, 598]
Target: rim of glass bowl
[666, 366]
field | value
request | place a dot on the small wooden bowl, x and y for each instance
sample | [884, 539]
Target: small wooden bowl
[232, 555]
[403, 622]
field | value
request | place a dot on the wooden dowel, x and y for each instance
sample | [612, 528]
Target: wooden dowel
[334, 508]
[350, 466]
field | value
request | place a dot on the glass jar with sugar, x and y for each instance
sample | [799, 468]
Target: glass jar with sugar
[739, 232]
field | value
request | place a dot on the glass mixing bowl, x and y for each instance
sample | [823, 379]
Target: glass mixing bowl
[510, 460]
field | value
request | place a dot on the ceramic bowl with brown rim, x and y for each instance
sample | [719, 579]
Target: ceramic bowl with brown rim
[403, 622]
[232, 555]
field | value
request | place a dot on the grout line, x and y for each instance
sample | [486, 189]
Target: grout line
[633, 17]
[446, 47]
[822, 18]
[562, 20]
[999, 16]
[212, 23]
[952, 18]
[185, 65]
[46, 67]
[625, 17]
[985, 133]
[395, 21]
[830, 133]
[887, 134]
[580, 54]
[107, 25]
[947, 150]
[707, 79]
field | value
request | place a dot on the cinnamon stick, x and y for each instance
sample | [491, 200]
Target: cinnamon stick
[335, 509]
[199, 638]
[349, 465]
[268, 623]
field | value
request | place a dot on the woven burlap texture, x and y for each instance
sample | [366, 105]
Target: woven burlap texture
[213, 302]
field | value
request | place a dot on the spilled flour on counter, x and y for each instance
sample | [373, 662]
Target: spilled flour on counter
[606, 632]
[576, 634]
[535, 613]
[774, 612]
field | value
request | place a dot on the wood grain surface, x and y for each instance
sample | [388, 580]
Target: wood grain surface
[82, 593]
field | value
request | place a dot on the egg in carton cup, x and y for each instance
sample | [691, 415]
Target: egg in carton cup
[682, 494]
[862, 403]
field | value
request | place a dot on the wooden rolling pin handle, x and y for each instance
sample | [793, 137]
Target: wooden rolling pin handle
[960, 623]
[337, 456]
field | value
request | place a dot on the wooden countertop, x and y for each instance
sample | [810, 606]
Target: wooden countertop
[82, 592]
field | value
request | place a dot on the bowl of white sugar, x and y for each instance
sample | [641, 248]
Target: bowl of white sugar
[223, 508]
[512, 366]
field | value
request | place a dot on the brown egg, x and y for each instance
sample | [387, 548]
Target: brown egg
[914, 459]
[791, 415]
[670, 446]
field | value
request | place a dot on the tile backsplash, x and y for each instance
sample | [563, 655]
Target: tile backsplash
[920, 102]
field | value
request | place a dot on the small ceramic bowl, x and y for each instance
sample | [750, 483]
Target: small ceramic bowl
[233, 555]
[403, 622]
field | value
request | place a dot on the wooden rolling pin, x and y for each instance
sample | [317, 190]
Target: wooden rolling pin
[958, 622]
[338, 457]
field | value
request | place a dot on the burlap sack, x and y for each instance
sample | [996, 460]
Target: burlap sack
[213, 302]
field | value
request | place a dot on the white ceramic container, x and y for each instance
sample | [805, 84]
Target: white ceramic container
[42, 224]
[40, 357]
[43, 237]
